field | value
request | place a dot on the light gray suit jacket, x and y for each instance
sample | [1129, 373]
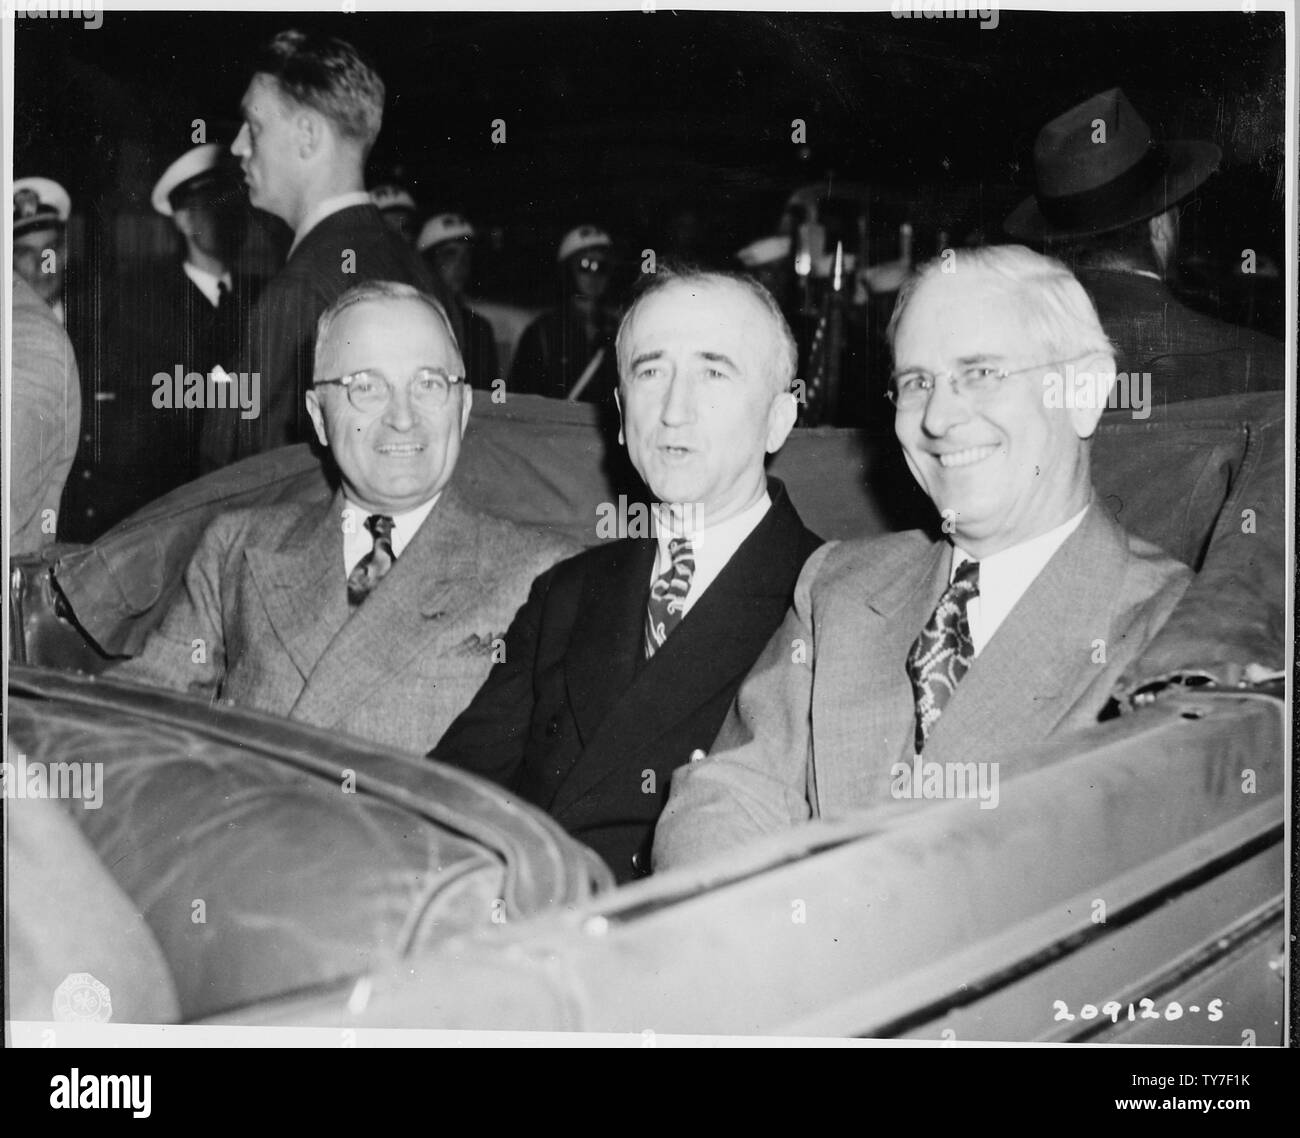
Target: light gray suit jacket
[828, 708]
[264, 622]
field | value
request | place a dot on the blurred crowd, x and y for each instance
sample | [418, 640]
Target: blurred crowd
[125, 389]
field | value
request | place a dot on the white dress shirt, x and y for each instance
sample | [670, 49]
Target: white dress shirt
[358, 541]
[324, 209]
[209, 284]
[1005, 576]
[714, 546]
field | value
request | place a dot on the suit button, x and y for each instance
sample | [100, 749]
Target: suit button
[639, 866]
[552, 726]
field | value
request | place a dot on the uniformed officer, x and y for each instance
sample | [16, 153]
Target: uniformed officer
[568, 352]
[41, 210]
[398, 209]
[447, 244]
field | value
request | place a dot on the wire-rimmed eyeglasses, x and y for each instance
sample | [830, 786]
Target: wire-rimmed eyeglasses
[369, 390]
[911, 387]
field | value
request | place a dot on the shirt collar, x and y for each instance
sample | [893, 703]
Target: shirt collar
[324, 209]
[209, 284]
[357, 541]
[1037, 552]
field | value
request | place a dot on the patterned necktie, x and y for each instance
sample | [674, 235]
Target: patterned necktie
[942, 654]
[667, 602]
[371, 568]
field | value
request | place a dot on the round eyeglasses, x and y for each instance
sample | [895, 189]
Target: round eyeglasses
[911, 388]
[370, 391]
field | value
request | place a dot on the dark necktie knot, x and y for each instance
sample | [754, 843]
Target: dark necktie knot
[944, 651]
[372, 568]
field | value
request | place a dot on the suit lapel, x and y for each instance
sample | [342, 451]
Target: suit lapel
[301, 584]
[717, 642]
[608, 636]
[895, 614]
[1044, 652]
[428, 587]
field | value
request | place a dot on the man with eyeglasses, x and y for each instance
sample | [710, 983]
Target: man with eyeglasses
[378, 613]
[1012, 627]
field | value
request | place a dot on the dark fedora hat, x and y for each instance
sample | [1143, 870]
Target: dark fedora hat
[1097, 169]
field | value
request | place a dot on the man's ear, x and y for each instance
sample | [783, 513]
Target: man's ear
[781, 415]
[310, 129]
[619, 404]
[466, 399]
[1085, 409]
[317, 414]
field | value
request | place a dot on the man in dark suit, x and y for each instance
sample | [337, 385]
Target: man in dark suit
[1107, 203]
[183, 321]
[311, 114]
[908, 668]
[379, 614]
[624, 660]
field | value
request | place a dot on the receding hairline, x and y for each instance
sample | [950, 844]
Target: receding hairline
[326, 342]
[701, 282]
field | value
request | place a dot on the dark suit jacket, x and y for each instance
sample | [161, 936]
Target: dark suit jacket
[266, 595]
[553, 353]
[478, 348]
[816, 733]
[136, 450]
[581, 725]
[1189, 355]
[348, 247]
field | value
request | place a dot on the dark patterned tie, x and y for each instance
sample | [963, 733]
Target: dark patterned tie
[371, 568]
[667, 602]
[942, 654]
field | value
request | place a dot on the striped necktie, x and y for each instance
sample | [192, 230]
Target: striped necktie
[943, 653]
[667, 604]
[370, 570]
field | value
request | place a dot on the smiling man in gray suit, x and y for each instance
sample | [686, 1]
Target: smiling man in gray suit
[903, 659]
[379, 614]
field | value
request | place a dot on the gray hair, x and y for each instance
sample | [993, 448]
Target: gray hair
[368, 291]
[785, 361]
[1056, 306]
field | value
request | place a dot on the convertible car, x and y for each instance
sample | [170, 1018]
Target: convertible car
[242, 869]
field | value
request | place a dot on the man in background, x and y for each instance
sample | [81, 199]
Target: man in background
[311, 114]
[46, 409]
[447, 244]
[1107, 203]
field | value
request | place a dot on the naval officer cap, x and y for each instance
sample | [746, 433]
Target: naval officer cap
[582, 238]
[764, 251]
[39, 203]
[390, 196]
[192, 173]
[444, 227]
